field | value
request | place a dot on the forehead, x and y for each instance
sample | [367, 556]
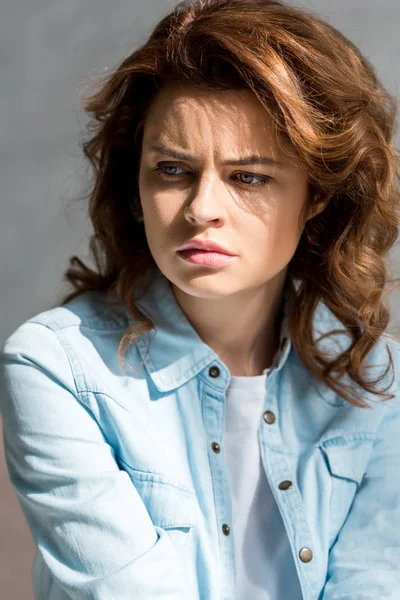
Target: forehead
[180, 111]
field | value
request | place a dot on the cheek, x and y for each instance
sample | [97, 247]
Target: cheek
[159, 214]
[159, 209]
[147, 194]
[160, 218]
[276, 236]
[287, 230]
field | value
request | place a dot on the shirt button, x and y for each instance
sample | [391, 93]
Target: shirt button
[305, 555]
[285, 485]
[225, 529]
[216, 447]
[269, 417]
[214, 372]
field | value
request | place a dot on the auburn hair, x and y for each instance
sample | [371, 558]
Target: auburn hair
[325, 97]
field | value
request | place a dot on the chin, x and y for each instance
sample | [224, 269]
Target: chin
[202, 284]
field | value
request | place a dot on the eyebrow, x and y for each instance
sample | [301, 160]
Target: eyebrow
[248, 160]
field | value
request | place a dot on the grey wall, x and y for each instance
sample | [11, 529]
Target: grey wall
[47, 50]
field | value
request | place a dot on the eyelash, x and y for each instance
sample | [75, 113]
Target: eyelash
[264, 179]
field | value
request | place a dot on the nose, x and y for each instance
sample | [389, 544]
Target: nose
[206, 201]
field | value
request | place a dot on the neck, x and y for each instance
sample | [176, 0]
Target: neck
[242, 328]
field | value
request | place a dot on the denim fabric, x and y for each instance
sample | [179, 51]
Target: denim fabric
[115, 471]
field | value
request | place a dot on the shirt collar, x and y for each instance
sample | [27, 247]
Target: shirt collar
[172, 351]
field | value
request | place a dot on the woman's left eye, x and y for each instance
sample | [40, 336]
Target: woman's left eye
[262, 179]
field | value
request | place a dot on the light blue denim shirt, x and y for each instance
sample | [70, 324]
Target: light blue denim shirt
[125, 495]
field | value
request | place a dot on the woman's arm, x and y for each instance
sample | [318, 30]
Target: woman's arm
[86, 517]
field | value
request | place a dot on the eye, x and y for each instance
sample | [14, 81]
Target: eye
[263, 179]
[162, 170]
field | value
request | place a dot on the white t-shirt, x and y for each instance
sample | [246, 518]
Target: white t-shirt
[265, 567]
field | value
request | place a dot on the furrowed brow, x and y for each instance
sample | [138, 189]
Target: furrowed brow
[253, 159]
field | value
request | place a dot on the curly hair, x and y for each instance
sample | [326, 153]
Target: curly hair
[325, 97]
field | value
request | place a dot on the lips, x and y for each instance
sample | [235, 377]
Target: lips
[210, 259]
[205, 246]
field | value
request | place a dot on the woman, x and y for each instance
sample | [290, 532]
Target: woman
[191, 422]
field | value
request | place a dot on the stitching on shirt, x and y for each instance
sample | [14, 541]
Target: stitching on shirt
[148, 477]
[56, 326]
[74, 363]
[100, 393]
[191, 371]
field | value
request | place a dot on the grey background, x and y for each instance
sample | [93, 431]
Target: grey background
[48, 50]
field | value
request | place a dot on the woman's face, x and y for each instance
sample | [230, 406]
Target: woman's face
[252, 210]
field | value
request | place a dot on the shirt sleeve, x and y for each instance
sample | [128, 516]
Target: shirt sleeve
[86, 517]
[364, 561]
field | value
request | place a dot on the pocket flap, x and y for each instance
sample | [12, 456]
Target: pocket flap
[348, 458]
[169, 503]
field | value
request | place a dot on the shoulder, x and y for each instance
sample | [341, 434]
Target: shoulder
[385, 353]
[381, 362]
[89, 311]
[69, 343]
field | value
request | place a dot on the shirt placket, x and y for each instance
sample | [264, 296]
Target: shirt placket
[213, 399]
[285, 491]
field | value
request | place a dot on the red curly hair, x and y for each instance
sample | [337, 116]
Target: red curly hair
[325, 97]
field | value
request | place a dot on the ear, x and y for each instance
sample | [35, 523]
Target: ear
[320, 203]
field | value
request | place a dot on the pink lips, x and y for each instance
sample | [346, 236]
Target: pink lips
[205, 246]
[210, 259]
[203, 252]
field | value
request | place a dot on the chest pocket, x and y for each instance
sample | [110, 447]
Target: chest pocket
[347, 460]
[170, 503]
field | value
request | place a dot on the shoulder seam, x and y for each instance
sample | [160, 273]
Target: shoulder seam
[72, 358]
[55, 326]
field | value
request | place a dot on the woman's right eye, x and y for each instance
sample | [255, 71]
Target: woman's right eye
[161, 169]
